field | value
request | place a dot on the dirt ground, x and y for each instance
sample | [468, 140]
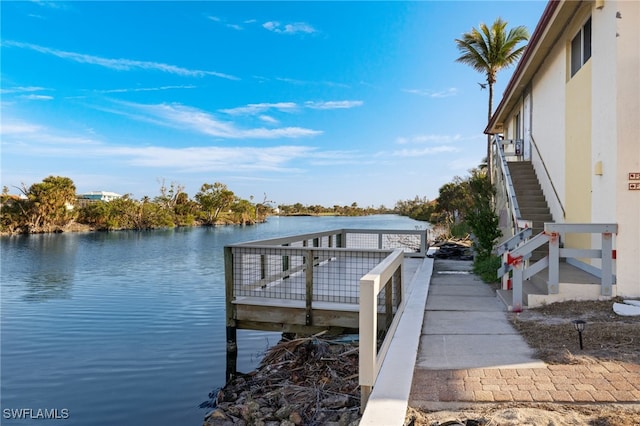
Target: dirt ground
[550, 332]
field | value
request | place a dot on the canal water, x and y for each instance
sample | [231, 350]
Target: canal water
[127, 328]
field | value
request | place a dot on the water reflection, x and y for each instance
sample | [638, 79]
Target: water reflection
[45, 264]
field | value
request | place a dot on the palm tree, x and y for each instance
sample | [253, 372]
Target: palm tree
[488, 50]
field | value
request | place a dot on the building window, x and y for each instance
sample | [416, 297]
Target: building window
[581, 47]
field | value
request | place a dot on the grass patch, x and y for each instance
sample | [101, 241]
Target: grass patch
[487, 268]
[460, 230]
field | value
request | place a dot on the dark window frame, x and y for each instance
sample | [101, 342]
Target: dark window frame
[580, 48]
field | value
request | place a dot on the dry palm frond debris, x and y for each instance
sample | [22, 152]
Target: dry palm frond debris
[308, 380]
[607, 336]
[459, 249]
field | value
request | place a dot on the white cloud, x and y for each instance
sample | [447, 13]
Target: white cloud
[43, 141]
[311, 83]
[333, 104]
[10, 127]
[49, 4]
[197, 159]
[339, 158]
[417, 139]
[188, 118]
[22, 89]
[452, 91]
[424, 151]
[268, 119]
[293, 28]
[252, 109]
[37, 97]
[21, 132]
[147, 89]
[222, 21]
[118, 64]
[463, 164]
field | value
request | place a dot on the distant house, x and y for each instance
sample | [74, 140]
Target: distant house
[572, 109]
[94, 196]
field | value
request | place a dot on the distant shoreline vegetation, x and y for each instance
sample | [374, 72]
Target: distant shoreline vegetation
[53, 206]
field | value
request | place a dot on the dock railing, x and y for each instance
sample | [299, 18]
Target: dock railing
[349, 278]
[385, 278]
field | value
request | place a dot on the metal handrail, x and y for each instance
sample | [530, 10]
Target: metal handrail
[544, 166]
[508, 186]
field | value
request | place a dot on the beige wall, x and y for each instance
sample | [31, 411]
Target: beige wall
[578, 132]
[604, 111]
[578, 154]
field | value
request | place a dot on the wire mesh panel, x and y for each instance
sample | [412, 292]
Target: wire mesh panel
[337, 278]
[281, 272]
[409, 241]
[272, 272]
[390, 296]
[363, 240]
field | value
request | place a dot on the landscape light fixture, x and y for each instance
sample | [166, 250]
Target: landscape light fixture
[579, 326]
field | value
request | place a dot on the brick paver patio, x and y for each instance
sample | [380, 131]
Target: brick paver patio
[613, 382]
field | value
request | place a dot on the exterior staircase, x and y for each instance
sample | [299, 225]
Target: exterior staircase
[533, 205]
[561, 276]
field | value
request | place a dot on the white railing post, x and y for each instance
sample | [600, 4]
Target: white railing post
[368, 324]
[505, 277]
[424, 242]
[607, 264]
[553, 286]
[517, 287]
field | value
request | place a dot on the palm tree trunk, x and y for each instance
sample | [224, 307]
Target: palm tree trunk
[490, 110]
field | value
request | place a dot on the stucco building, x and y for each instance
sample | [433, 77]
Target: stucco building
[573, 105]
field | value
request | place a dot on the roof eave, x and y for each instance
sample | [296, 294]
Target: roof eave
[548, 29]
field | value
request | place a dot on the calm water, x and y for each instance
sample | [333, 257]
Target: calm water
[127, 328]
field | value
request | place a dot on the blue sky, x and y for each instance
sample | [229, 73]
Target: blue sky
[312, 102]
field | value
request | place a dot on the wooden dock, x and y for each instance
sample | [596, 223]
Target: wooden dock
[311, 283]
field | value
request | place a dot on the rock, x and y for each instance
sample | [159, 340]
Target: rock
[217, 417]
[283, 412]
[295, 418]
[345, 419]
[300, 381]
[216, 414]
[335, 401]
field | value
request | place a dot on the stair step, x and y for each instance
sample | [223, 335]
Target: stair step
[528, 211]
[533, 192]
[532, 200]
[535, 209]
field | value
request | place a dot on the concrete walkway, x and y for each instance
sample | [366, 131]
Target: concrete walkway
[470, 353]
